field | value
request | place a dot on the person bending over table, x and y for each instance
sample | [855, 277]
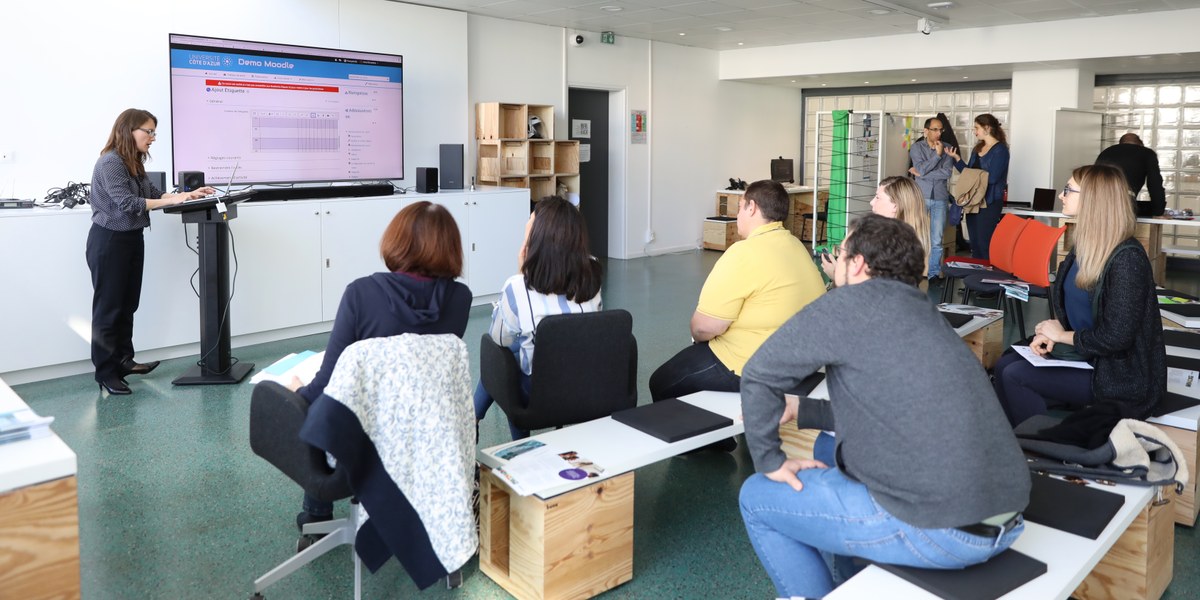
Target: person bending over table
[122, 197]
[990, 154]
[558, 275]
[422, 251]
[1107, 313]
[926, 474]
[756, 285]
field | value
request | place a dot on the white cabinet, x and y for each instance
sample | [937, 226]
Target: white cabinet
[492, 222]
[350, 234]
[294, 260]
[271, 290]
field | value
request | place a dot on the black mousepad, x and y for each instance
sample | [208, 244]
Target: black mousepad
[671, 420]
[998, 576]
[1083, 510]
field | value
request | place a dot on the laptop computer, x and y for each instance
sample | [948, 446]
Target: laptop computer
[1043, 199]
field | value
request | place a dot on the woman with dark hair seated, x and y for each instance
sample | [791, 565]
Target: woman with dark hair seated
[557, 276]
[1104, 297]
[422, 250]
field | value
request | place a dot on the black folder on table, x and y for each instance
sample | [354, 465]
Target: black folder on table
[1181, 339]
[671, 420]
[957, 319]
[1083, 510]
[998, 576]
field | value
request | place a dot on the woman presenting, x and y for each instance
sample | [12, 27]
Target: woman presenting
[1107, 314]
[991, 155]
[122, 197]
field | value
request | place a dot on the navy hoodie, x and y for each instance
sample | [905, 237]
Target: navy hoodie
[387, 304]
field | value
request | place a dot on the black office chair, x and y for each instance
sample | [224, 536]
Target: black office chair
[276, 416]
[584, 368]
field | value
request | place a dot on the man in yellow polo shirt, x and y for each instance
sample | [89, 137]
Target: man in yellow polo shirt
[757, 285]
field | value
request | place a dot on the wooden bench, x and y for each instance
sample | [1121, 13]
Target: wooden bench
[576, 540]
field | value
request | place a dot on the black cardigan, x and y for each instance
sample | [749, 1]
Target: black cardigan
[1125, 342]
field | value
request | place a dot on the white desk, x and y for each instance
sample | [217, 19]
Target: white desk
[39, 515]
[1069, 559]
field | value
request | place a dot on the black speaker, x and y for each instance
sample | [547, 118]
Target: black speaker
[450, 168]
[159, 179]
[427, 180]
[190, 180]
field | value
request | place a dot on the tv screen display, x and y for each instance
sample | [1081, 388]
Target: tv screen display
[284, 114]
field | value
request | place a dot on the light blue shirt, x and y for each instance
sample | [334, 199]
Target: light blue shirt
[934, 170]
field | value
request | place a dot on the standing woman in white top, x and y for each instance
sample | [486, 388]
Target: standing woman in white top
[557, 276]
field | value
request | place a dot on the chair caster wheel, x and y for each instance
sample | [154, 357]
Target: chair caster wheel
[303, 542]
[256, 597]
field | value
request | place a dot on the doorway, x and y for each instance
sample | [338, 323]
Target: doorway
[588, 122]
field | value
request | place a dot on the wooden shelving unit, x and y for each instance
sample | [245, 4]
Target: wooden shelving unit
[516, 148]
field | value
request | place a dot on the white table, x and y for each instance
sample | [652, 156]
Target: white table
[1069, 558]
[39, 515]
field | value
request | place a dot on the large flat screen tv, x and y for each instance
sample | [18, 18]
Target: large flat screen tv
[284, 114]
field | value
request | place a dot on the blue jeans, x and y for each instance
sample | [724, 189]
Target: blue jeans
[834, 514]
[693, 369]
[937, 225]
[484, 400]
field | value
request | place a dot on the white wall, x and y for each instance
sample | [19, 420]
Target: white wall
[1036, 95]
[72, 66]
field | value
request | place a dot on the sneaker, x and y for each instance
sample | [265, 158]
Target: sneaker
[308, 539]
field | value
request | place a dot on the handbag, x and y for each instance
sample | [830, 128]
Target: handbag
[954, 217]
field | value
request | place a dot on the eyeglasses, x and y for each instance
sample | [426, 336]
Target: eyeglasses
[1068, 190]
[149, 132]
[933, 128]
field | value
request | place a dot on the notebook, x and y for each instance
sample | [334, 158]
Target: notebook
[1187, 315]
[1082, 510]
[671, 420]
[956, 319]
[1043, 199]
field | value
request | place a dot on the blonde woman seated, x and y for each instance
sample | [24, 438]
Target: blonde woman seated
[897, 198]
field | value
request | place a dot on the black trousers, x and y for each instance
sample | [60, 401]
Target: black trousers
[115, 259]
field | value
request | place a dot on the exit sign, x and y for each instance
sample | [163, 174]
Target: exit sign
[608, 37]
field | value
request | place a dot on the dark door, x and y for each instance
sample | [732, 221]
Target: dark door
[592, 106]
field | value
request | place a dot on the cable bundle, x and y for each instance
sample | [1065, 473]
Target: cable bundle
[69, 195]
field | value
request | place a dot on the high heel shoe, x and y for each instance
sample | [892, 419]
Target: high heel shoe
[115, 387]
[129, 367]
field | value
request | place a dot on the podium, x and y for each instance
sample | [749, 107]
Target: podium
[215, 360]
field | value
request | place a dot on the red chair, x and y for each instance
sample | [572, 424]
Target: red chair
[1004, 241]
[1031, 264]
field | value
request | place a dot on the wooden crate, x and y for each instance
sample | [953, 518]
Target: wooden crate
[490, 165]
[545, 113]
[541, 158]
[540, 187]
[575, 545]
[39, 551]
[1140, 564]
[515, 182]
[566, 157]
[949, 241]
[514, 159]
[500, 121]
[720, 234]
[1150, 235]
[571, 182]
[987, 343]
[727, 203]
[1186, 507]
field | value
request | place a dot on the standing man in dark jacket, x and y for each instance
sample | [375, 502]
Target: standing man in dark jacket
[1140, 165]
[926, 474]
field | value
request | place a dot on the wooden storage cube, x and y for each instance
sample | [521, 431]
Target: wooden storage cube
[541, 158]
[571, 182]
[566, 157]
[545, 127]
[1150, 235]
[489, 162]
[540, 187]
[499, 121]
[1140, 564]
[515, 182]
[514, 158]
[574, 545]
[720, 233]
[727, 204]
[1158, 265]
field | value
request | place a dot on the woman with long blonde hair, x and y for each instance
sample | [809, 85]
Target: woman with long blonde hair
[897, 198]
[1107, 314]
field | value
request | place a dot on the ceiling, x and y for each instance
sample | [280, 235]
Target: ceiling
[739, 24]
[732, 24]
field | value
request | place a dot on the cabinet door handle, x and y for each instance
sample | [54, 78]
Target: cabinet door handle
[326, 212]
[465, 203]
[472, 246]
[317, 213]
[327, 263]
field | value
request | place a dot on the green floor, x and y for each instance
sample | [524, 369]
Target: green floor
[174, 505]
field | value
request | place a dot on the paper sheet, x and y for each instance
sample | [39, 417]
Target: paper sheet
[1038, 361]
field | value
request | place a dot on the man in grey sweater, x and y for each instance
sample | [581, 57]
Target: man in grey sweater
[928, 472]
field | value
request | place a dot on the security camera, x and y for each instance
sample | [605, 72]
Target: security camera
[577, 40]
[924, 26]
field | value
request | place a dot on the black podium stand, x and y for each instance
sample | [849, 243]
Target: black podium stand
[215, 356]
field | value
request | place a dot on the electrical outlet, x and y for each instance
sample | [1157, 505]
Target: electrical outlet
[6, 156]
[649, 236]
